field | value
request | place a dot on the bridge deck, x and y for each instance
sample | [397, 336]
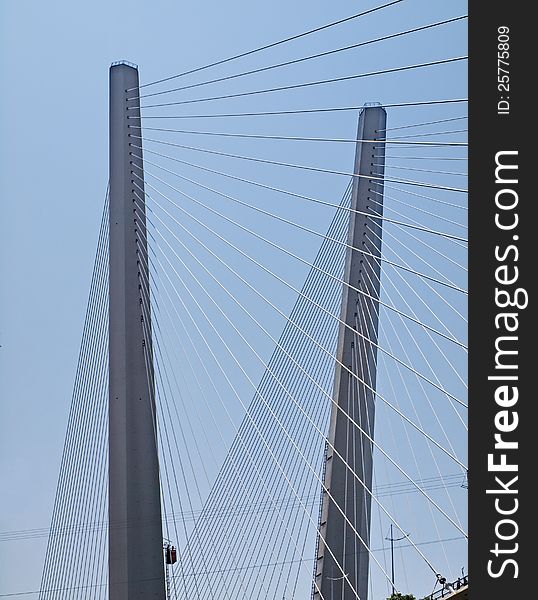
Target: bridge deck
[460, 591]
[461, 594]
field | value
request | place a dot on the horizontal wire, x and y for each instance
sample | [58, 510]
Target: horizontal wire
[423, 124]
[381, 490]
[304, 110]
[302, 59]
[267, 46]
[381, 549]
[304, 228]
[372, 178]
[225, 514]
[307, 83]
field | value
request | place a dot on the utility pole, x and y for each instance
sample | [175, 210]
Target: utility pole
[342, 560]
[136, 570]
[392, 539]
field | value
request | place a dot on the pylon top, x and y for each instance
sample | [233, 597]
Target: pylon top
[124, 62]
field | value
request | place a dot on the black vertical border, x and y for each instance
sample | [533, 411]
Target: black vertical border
[490, 133]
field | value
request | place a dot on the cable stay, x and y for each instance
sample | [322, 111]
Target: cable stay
[307, 229]
[276, 189]
[362, 292]
[371, 178]
[275, 336]
[301, 139]
[420, 103]
[294, 289]
[307, 84]
[303, 59]
[425, 124]
[407, 366]
[271, 45]
[239, 364]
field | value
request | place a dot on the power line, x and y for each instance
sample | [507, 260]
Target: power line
[381, 549]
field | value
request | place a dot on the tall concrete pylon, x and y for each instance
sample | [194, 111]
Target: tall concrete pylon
[136, 568]
[342, 561]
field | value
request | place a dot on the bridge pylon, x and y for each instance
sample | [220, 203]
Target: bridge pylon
[342, 557]
[136, 569]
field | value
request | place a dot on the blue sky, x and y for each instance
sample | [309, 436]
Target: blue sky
[54, 60]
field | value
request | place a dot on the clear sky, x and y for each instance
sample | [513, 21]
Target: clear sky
[54, 60]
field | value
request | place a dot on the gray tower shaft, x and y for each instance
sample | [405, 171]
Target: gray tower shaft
[342, 558]
[136, 569]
